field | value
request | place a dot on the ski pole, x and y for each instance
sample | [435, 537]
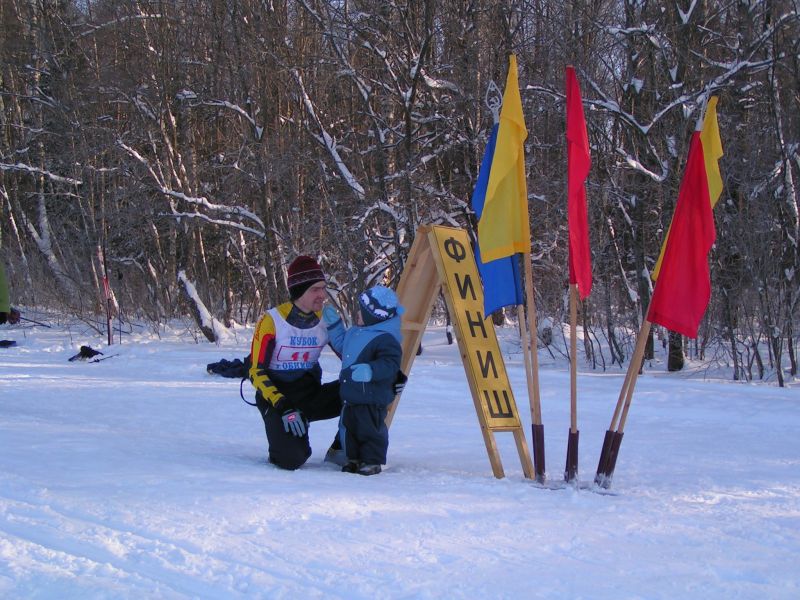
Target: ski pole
[21, 318]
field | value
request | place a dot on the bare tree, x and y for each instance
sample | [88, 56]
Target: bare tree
[204, 144]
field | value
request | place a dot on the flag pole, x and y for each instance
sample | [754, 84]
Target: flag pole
[537, 429]
[526, 355]
[571, 468]
[580, 271]
[699, 125]
[644, 333]
[613, 437]
[101, 254]
[510, 213]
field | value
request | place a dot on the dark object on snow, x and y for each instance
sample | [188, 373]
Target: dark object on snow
[86, 352]
[12, 316]
[7, 343]
[235, 369]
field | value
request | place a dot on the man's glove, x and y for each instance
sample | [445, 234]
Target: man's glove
[362, 372]
[399, 383]
[294, 422]
[330, 316]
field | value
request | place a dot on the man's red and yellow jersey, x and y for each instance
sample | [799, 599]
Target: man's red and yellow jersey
[286, 344]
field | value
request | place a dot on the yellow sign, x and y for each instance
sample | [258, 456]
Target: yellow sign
[441, 258]
[476, 336]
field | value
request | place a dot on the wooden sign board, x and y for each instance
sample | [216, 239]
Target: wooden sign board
[441, 259]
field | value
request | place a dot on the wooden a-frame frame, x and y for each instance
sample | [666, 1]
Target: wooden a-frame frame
[441, 259]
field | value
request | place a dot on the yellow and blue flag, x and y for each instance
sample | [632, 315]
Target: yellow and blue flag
[504, 227]
[502, 284]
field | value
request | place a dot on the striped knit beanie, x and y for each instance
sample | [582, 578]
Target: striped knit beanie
[303, 272]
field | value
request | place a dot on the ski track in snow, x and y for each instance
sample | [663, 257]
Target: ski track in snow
[143, 476]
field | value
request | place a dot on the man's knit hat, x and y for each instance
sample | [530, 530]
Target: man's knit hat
[303, 272]
[378, 304]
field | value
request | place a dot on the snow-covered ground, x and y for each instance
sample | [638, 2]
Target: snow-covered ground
[142, 476]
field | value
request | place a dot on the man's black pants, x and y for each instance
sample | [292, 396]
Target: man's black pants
[315, 400]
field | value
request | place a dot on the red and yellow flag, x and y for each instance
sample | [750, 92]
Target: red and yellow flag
[579, 162]
[712, 152]
[684, 285]
[504, 228]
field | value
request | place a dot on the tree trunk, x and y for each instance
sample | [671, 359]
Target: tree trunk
[675, 358]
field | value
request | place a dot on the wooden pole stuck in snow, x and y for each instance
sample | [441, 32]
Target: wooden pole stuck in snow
[571, 468]
[532, 374]
[613, 437]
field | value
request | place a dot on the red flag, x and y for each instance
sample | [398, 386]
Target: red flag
[578, 163]
[684, 283]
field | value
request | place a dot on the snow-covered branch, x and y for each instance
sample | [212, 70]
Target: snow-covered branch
[257, 130]
[636, 165]
[92, 29]
[379, 206]
[220, 222]
[204, 202]
[37, 171]
[142, 160]
[238, 211]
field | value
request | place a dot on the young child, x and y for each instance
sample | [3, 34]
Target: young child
[371, 355]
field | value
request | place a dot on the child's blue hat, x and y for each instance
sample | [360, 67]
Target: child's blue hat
[378, 304]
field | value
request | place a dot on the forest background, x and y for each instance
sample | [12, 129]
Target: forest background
[193, 148]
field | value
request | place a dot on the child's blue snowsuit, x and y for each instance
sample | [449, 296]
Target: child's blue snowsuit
[365, 436]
